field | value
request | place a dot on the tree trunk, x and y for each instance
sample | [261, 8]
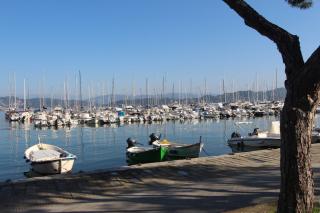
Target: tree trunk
[296, 192]
[297, 115]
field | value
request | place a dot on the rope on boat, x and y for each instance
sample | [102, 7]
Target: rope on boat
[205, 151]
[200, 140]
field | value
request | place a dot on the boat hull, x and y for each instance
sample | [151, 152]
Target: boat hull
[146, 156]
[180, 151]
[255, 142]
[185, 151]
[49, 159]
[53, 167]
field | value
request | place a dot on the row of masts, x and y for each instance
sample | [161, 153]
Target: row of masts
[154, 96]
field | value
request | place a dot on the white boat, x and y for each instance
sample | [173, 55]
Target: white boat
[49, 159]
[40, 119]
[269, 138]
[14, 116]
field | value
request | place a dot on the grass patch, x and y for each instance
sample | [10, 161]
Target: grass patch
[259, 208]
[316, 208]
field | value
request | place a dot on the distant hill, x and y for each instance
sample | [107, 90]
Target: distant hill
[252, 96]
[278, 94]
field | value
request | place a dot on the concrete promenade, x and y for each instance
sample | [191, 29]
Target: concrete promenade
[209, 184]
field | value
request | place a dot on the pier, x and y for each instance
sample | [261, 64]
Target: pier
[208, 184]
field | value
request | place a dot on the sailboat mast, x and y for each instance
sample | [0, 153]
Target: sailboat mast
[89, 93]
[133, 90]
[172, 92]
[75, 102]
[205, 91]
[224, 92]
[272, 90]
[103, 93]
[233, 100]
[65, 95]
[147, 91]
[43, 91]
[180, 86]
[51, 101]
[24, 95]
[80, 91]
[10, 92]
[113, 95]
[40, 103]
[248, 93]
[190, 93]
[15, 91]
[257, 92]
[276, 85]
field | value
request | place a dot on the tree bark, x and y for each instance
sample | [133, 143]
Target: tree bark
[296, 192]
[297, 115]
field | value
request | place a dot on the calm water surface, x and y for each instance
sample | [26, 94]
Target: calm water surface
[104, 147]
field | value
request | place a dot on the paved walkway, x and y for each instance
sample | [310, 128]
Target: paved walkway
[210, 184]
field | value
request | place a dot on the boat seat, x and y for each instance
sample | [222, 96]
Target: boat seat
[45, 155]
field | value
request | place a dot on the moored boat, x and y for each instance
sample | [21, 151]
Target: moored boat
[136, 154]
[176, 150]
[49, 159]
[257, 138]
[180, 151]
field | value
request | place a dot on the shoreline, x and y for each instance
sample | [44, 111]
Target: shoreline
[206, 184]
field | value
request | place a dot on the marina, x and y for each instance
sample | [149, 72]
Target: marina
[104, 146]
[153, 106]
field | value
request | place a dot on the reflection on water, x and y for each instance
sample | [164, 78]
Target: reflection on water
[103, 147]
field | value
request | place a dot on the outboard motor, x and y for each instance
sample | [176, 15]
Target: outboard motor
[153, 137]
[255, 132]
[235, 135]
[131, 143]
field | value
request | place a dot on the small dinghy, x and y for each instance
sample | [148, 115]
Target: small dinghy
[49, 159]
[136, 154]
[177, 150]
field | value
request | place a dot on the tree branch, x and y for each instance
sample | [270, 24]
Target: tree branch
[311, 74]
[288, 44]
[314, 58]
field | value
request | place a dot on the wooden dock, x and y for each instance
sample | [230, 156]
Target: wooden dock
[209, 184]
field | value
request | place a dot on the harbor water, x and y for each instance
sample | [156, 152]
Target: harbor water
[104, 147]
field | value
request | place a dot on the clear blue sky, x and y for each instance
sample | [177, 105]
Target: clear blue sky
[137, 39]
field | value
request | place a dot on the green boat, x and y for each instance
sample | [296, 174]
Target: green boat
[136, 154]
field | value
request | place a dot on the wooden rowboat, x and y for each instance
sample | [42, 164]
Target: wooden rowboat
[180, 151]
[136, 154]
[49, 159]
